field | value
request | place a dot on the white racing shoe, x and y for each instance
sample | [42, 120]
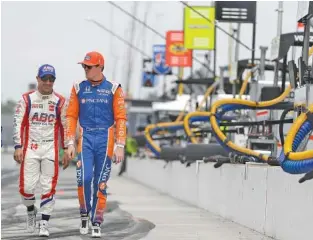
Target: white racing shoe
[84, 225]
[31, 220]
[43, 229]
[96, 231]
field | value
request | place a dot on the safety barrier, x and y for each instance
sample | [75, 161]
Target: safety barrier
[259, 196]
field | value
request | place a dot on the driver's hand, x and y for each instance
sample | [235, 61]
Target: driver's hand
[70, 152]
[18, 155]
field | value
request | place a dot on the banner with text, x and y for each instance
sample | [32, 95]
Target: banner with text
[176, 54]
[159, 65]
[199, 30]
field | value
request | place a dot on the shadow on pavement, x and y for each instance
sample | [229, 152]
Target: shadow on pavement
[118, 224]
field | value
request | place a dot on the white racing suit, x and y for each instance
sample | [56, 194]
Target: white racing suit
[38, 125]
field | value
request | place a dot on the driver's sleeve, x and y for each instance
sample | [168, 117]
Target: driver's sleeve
[72, 117]
[120, 116]
[20, 122]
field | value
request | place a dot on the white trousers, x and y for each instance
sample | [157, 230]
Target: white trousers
[40, 165]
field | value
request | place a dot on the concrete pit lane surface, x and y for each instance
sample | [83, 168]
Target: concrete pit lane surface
[64, 222]
[133, 212]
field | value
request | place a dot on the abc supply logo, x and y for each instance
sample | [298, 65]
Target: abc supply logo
[43, 119]
[36, 105]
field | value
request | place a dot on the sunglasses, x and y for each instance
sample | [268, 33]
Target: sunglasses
[88, 67]
[49, 78]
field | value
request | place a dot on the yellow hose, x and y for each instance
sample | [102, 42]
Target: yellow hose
[310, 51]
[297, 156]
[187, 128]
[221, 135]
[290, 137]
[180, 92]
[180, 77]
[152, 126]
[177, 122]
[186, 123]
[245, 84]
[198, 113]
[149, 138]
[205, 97]
[178, 119]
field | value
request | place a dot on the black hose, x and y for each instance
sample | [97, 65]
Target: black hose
[307, 176]
[264, 122]
[281, 125]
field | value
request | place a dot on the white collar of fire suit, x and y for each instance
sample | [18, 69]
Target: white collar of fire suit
[41, 96]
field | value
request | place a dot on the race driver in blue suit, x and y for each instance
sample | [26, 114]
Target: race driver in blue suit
[98, 104]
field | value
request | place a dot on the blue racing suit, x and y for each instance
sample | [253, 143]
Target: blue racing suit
[100, 110]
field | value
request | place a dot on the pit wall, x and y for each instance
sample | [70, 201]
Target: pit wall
[261, 197]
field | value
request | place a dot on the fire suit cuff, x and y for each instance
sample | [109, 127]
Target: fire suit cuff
[71, 142]
[17, 146]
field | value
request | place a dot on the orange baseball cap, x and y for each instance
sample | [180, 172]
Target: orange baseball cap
[92, 59]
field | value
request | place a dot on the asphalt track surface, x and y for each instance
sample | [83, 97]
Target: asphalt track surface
[133, 212]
